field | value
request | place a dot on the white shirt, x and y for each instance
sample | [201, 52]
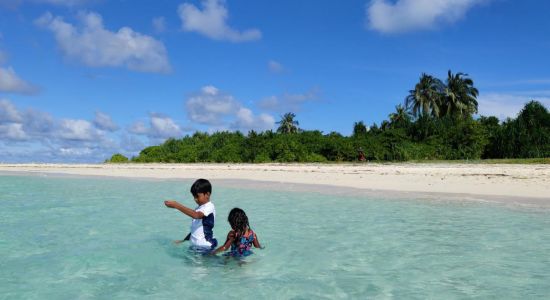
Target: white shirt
[201, 229]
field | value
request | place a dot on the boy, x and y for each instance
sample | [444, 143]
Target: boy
[201, 236]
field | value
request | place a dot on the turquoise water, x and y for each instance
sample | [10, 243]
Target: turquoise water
[89, 238]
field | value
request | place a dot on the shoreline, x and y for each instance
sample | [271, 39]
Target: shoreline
[524, 184]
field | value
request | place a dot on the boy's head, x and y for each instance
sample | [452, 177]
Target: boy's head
[201, 191]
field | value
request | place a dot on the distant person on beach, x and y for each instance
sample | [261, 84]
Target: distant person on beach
[361, 154]
[241, 237]
[201, 235]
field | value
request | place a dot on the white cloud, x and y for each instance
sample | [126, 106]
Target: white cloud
[409, 15]
[12, 131]
[159, 24]
[288, 102]
[139, 127]
[211, 22]
[75, 151]
[247, 121]
[95, 46]
[8, 112]
[275, 67]
[32, 135]
[104, 122]
[79, 130]
[160, 127]
[164, 127]
[222, 111]
[38, 124]
[210, 107]
[11, 83]
[508, 105]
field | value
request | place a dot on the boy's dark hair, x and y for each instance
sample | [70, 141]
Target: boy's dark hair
[238, 221]
[201, 186]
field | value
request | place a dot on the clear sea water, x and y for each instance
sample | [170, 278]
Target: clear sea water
[102, 238]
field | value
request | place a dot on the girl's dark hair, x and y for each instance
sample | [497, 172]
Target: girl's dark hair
[238, 221]
[201, 186]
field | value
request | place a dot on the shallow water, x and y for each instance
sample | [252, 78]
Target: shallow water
[103, 238]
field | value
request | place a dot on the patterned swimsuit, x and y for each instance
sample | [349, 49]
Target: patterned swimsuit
[245, 245]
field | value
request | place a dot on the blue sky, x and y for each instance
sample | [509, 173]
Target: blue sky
[83, 79]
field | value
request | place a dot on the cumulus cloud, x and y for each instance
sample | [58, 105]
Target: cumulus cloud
[95, 46]
[13, 131]
[79, 130]
[210, 106]
[409, 15]
[211, 22]
[159, 24]
[138, 127]
[8, 112]
[11, 83]
[508, 105]
[104, 122]
[160, 127]
[288, 102]
[33, 135]
[164, 127]
[38, 124]
[275, 67]
[246, 121]
[221, 111]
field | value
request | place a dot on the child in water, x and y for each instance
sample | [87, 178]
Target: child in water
[241, 237]
[201, 235]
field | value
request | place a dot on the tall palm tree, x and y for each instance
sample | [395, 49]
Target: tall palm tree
[287, 124]
[460, 95]
[425, 99]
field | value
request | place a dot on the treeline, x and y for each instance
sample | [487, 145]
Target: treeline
[435, 123]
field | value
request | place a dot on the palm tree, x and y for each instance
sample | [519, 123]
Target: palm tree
[460, 96]
[425, 99]
[359, 129]
[399, 117]
[287, 124]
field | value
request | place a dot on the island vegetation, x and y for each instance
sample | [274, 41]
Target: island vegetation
[435, 122]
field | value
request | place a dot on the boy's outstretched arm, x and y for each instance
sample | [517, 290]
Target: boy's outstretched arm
[184, 209]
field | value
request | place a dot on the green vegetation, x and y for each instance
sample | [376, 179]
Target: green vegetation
[436, 123]
[118, 158]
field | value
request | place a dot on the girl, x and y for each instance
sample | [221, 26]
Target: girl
[241, 237]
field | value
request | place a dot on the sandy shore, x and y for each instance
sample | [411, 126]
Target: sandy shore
[516, 181]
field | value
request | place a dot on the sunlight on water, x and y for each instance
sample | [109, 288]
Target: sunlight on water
[67, 238]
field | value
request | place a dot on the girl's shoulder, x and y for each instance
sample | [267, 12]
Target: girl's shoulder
[249, 233]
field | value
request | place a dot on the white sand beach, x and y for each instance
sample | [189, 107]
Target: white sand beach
[485, 180]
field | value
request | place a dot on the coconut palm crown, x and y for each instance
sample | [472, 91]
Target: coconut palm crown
[287, 124]
[425, 99]
[460, 96]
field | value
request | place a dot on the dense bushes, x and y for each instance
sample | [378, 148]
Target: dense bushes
[400, 139]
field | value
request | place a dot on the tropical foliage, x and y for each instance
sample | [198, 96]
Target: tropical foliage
[435, 123]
